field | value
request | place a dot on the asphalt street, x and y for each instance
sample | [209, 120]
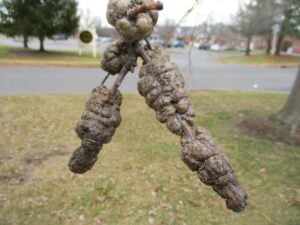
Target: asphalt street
[71, 44]
[204, 74]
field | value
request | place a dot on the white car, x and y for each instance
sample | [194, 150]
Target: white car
[215, 47]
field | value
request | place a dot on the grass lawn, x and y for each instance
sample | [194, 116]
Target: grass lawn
[21, 57]
[263, 60]
[139, 177]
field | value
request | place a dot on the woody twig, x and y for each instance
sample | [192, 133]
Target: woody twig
[144, 8]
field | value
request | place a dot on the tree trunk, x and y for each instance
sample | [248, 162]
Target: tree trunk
[248, 49]
[25, 41]
[290, 113]
[278, 44]
[269, 45]
[42, 39]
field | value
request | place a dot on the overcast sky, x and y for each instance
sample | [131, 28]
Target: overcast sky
[217, 10]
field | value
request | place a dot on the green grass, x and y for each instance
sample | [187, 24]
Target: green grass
[21, 57]
[139, 177]
[263, 60]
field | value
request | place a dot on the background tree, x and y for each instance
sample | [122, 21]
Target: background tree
[98, 25]
[258, 17]
[289, 25]
[90, 21]
[39, 18]
[16, 18]
[224, 33]
[55, 17]
[246, 21]
[206, 29]
[106, 32]
[167, 30]
[267, 13]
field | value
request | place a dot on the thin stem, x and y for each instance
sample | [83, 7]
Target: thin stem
[142, 53]
[148, 43]
[119, 80]
[129, 66]
[105, 79]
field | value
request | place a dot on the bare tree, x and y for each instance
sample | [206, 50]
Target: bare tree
[224, 33]
[167, 30]
[257, 17]
[267, 12]
[106, 32]
[246, 21]
[89, 20]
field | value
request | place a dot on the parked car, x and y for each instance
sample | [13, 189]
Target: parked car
[228, 48]
[160, 42]
[293, 51]
[105, 39]
[196, 44]
[204, 46]
[215, 47]
[60, 37]
[178, 44]
[244, 49]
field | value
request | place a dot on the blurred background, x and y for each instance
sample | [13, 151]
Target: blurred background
[240, 60]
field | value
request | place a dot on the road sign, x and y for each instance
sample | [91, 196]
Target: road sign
[87, 39]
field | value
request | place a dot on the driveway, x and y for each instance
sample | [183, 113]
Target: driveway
[205, 74]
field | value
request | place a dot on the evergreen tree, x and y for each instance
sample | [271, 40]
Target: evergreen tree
[289, 25]
[39, 18]
[55, 17]
[16, 17]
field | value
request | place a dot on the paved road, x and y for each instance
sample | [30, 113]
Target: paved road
[206, 74]
[61, 45]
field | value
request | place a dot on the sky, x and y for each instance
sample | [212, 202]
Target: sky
[215, 10]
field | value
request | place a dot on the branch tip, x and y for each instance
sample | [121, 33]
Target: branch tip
[144, 8]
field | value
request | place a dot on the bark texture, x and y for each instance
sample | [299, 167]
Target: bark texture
[114, 57]
[279, 44]
[118, 55]
[25, 41]
[163, 88]
[290, 113]
[269, 44]
[96, 127]
[248, 46]
[131, 29]
[42, 39]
